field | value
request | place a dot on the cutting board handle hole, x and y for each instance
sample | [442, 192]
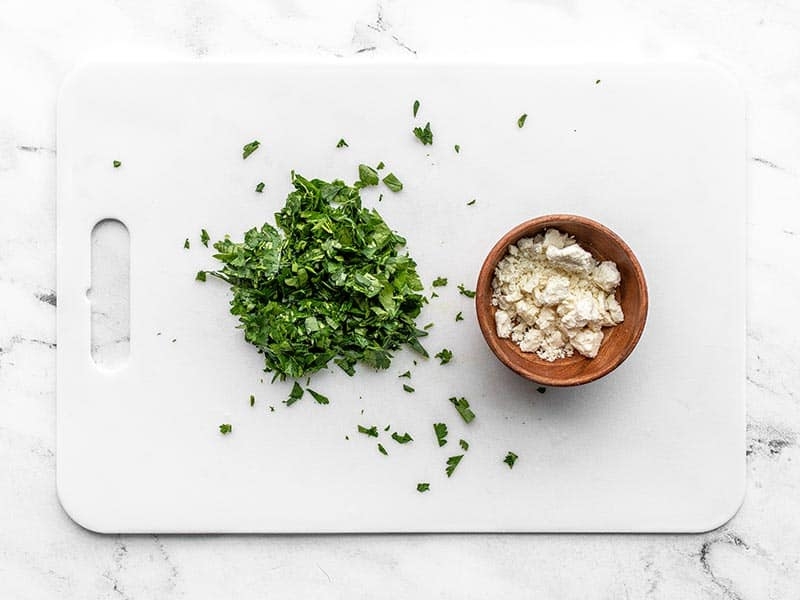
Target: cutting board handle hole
[109, 294]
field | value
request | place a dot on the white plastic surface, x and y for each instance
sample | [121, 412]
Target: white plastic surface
[657, 153]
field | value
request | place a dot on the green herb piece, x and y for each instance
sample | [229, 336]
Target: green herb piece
[204, 237]
[271, 408]
[393, 183]
[444, 356]
[459, 317]
[423, 487]
[347, 437]
[462, 406]
[464, 445]
[402, 439]
[260, 187]
[252, 400]
[471, 202]
[424, 134]
[457, 148]
[370, 431]
[117, 164]
[380, 166]
[521, 120]
[452, 463]
[541, 390]
[382, 450]
[434, 295]
[330, 286]
[440, 282]
[510, 459]
[248, 149]
[186, 244]
[408, 388]
[225, 428]
[342, 144]
[428, 326]
[201, 276]
[416, 107]
[318, 397]
[596, 82]
[440, 429]
[367, 175]
[465, 292]
[294, 395]
[407, 375]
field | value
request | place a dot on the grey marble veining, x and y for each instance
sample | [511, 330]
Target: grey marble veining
[45, 555]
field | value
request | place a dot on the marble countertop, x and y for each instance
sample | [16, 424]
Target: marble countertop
[43, 554]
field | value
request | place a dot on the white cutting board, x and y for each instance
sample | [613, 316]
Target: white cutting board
[657, 153]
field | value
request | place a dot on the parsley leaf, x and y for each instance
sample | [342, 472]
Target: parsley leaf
[318, 397]
[382, 450]
[465, 292]
[342, 144]
[416, 107]
[445, 356]
[408, 388]
[407, 375]
[294, 395]
[459, 317]
[462, 406]
[464, 445]
[402, 439]
[521, 120]
[260, 187]
[201, 276]
[186, 244]
[452, 463]
[117, 164]
[510, 459]
[248, 149]
[440, 429]
[225, 428]
[380, 166]
[370, 431]
[457, 148]
[424, 134]
[423, 487]
[204, 237]
[367, 175]
[440, 282]
[393, 183]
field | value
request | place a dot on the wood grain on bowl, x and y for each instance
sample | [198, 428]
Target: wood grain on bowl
[619, 341]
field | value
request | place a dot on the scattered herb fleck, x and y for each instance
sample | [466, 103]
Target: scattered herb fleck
[186, 244]
[294, 395]
[510, 459]
[225, 428]
[462, 406]
[407, 375]
[252, 400]
[434, 295]
[424, 134]
[464, 445]
[541, 390]
[597, 81]
[402, 439]
[423, 487]
[248, 149]
[428, 326]
[318, 397]
[117, 164]
[459, 317]
[465, 292]
[260, 187]
[370, 431]
[201, 276]
[393, 183]
[408, 388]
[379, 166]
[521, 120]
[440, 429]
[444, 356]
[271, 408]
[342, 143]
[416, 107]
[204, 237]
[382, 450]
[440, 282]
[471, 202]
[457, 148]
[452, 463]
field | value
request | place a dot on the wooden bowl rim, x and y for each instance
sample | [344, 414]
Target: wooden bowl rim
[483, 297]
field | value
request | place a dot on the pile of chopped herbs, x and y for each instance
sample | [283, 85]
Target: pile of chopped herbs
[331, 285]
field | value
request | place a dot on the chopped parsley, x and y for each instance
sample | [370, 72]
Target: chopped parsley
[457, 148]
[521, 120]
[318, 397]
[186, 244]
[379, 166]
[510, 459]
[440, 429]
[382, 450]
[423, 487]
[444, 356]
[416, 107]
[472, 202]
[260, 187]
[367, 175]
[452, 463]
[424, 134]
[370, 431]
[331, 285]
[248, 149]
[434, 295]
[407, 375]
[294, 395]
[225, 428]
[408, 388]
[402, 439]
[252, 400]
[459, 317]
[342, 143]
[428, 326]
[117, 164]
[201, 276]
[393, 183]
[541, 390]
[597, 81]
[465, 292]
[464, 445]
[440, 282]
[462, 406]
[204, 237]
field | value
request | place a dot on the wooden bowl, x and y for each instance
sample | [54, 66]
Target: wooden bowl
[618, 342]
